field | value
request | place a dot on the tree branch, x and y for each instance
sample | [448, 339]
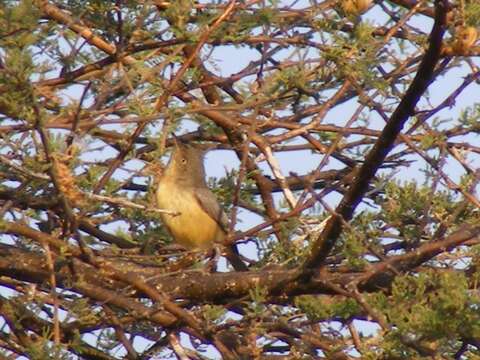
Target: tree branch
[384, 144]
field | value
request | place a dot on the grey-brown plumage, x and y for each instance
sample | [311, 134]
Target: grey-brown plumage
[209, 203]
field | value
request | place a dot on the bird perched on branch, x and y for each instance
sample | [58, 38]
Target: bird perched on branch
[200, 221]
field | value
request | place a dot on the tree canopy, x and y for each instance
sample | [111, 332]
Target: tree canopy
[350, 130]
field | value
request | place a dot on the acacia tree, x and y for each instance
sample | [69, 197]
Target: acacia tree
[369, 250]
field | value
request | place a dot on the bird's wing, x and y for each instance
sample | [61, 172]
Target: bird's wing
[209, 203]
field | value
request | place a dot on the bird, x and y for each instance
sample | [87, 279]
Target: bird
[199, 221]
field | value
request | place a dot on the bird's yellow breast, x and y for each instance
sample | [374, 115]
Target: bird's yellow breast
[193, 227]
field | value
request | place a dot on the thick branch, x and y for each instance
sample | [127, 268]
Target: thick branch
[198, 286]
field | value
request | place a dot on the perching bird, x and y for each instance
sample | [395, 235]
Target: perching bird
[182, 188]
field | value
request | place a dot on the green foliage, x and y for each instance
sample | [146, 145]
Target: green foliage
[36, 164]
[245, 23]
[43, 349]
[21, 310]
[121, 233]
[354, 241]
[431, 139]
[80, 310]
[429, 307]
[225, 187]
[178, 14]
[470, 117]
[321, 308]
[213, 313]
[18, 93]
[472, 13]
[18, 34]
[404, 206]
[356, 55]
[288, 252]
[18, 20]
[258, 297]
[152, 237]
[104, 16]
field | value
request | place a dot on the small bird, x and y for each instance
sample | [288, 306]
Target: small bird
[201, 221]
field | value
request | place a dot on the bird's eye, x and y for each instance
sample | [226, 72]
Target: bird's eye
[184, 161]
